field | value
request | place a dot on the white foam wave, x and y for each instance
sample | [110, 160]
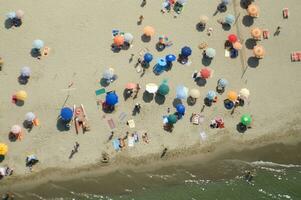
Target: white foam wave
[272, 164]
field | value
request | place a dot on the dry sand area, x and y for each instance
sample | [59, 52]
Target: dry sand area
[79, 33]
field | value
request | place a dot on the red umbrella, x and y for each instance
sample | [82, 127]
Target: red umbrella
[131, 86]
[232, 38]
[205, 73]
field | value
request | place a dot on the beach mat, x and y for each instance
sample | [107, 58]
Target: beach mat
[116, 144]
[100, 91]
[111, 123]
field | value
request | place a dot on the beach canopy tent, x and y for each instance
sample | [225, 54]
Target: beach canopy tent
[186, 51]
[170, 58]
[20, 14]
[38, 44]
[205, 73]
[30, 116]
[108, 74]
[226, 2]
[180, 109]
[148, 57]
[246, 119]
[16, 129]
[25, 71]
[232, 95]
[66, 113]
[256, 33]
[232, 38]
[211, 95]
[194, 93]
[182, 2]
[11, 15]
[181, 92]
[172, 119]
[237, 45]
[253, 10]
[203, 19]
[148, 31]
[244, 93]
[111, 98]
[259, 51]
[229, 19]
[21, 95]
[128, 37]
[222, 82]
[151, 88]
[118, 40]
[163, 89]
[131, 86]
[3, 149]
[210, 52]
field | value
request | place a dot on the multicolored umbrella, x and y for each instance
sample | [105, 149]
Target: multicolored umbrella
[246, 119]
[161, 62]
[3, 149]
[111, 99]
[181, 92]
[66, 113]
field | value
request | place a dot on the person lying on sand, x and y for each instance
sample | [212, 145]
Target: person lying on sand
[145, 138]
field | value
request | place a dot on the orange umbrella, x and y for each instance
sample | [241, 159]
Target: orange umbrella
[256, 33]
[259, 51]
[237, 45]
[131, 86]
[118, 40]
[232, 95]
[148, 31]
[253, 10]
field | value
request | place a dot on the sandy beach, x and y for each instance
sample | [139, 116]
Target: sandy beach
[79, 34]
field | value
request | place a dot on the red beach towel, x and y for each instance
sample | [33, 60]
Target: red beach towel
[111, 123]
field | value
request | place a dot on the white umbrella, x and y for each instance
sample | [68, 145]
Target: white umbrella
[204, 19]
[30, 116]
[128, 37]
[19, 14]
[151, 88]
[25, 71]
[38, 44]
[194, 93]
[15, 129]
[244, 93]
[11, 15]
[108, 73]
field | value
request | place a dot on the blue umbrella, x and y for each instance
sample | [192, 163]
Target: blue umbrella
[228, 104]
[211, 95]
[38, 44]
[148, 57]
[11, 15]
[170, 58]
[161, 62]
[181, 92]
[111, 98]
[25, 71]
[66, 113]
[229, 19]
[180, 109]
[222, 82]
[186, 51]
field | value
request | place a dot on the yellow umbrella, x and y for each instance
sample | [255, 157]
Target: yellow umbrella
[3, 149]
[21, 95]
[259, 51]
[148, 31]
[256, 33]
[194, 93]
[253, 10]
[232, 95]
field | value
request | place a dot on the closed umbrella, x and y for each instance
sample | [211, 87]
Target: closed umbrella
[108, 74]
[161, 62]
[172, 119]
[259, 51]
[232, 38]
[151, 88]
[232, 95]
[38, 44]
[19, 14]
[111, 99]
[30, 116]
[21, 95]
[204, 19]
[180, 109]
[186, 51]
[210, 52]
[131, 86]
[128, 37]
[181, 92]
[237, 45]
[222, 82]
[119, 40]
[253, 10]
[170, 58]
[244, 93]
[163, 89]
[194, 93]
[229, 19]
[205, 73]
[25, 71]
[246, 119]
[256, 33]
[148, 57]
[148, 31]
[211, 95]
[16, 129]
[66, 113]
[11, 15]
[3, 149]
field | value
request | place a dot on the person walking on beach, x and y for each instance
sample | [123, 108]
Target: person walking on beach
[141, 18]
[74, 150]
[277, 32]
[164, 152]
[111, 136]
[143, 3]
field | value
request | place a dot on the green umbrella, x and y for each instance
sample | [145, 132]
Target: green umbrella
[172, 119]
[163, 89]
[246, 119]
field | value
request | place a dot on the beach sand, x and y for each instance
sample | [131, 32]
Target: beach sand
[80, 34]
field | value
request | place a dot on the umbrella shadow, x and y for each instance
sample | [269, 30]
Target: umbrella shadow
[126, 94]
[104, 82]
[19, 103]
[160, 47]
[23, 80]
[206, 61]
[159, 99]
[253, 62]
[247, 20]
[145, 38]
[250, 43]
[208, 102]
[35, 53]
[191, 101]
[200, 27]
[200, 81]
[176, 101]
[168, 66]
[245, 3]
[8, 23]
[2, 157]
[12, 137]
[222, 8]
[27, 125]
[61, 125]
[226, 26]
[241, 128]
[125, 46]
[115, 49]
[147, 97]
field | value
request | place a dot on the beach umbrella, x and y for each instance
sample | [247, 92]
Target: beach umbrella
[11, 15]
[194, 93]
[66, 113]
[16, 129]
[30, 116]
[222, 82]
[232, 38]
[226, 2]
[232, 95]
[148, 57]
[148, 31]
[172, 119]
[237, 45]
[118, 40]
[151, 88]
[161, 62]
[259, 51]
[3, 149]
[131, 86]
[211, 95]
[21, 95]
[244, 93]
[25, 71]
[38, 44]
[181, 92]
[19, 14]
[210, 52]
[111, 98]
[128, 37]
[181, 1]
[256, 33]
[246, 119]
[229, 19]
[170, 58]
[186, 51]
[108, 74]
[228, 104]
[180, 109]
[203, 19]
[163, 89]
[253, 10]
[205, 73]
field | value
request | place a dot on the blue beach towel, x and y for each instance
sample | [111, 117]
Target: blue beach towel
[116, 144]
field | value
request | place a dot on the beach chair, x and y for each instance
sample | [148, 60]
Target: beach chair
[296, 56]
[285, 13]
[131, 123]
[265, 34]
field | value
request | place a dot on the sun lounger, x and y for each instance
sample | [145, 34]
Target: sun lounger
[285, 13]
[116, 144]
[296, 56]
[131, 141]
[100, 91]
[131, 123]
[111, 123]
[265, 34]
[227, 53]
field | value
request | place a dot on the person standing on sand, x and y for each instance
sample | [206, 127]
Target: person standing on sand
[141, 18]
[277, 32]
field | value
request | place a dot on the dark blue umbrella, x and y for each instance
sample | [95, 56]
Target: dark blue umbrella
[228, 104]
[180, 109]
[111, 99]
[186, 51]
[148, 57]
[66, 113]
[170, 58]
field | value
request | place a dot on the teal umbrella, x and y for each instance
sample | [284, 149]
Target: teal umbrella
[210, 52]
[172, 119]
[163, 89]
[229, 19]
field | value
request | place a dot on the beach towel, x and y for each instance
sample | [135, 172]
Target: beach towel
[111, 123]
[131, 123]
[203, 136]
[227, 53]
[122, 116]
[116, 144]
[131, 141]
[265, 34]
[100, 91]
